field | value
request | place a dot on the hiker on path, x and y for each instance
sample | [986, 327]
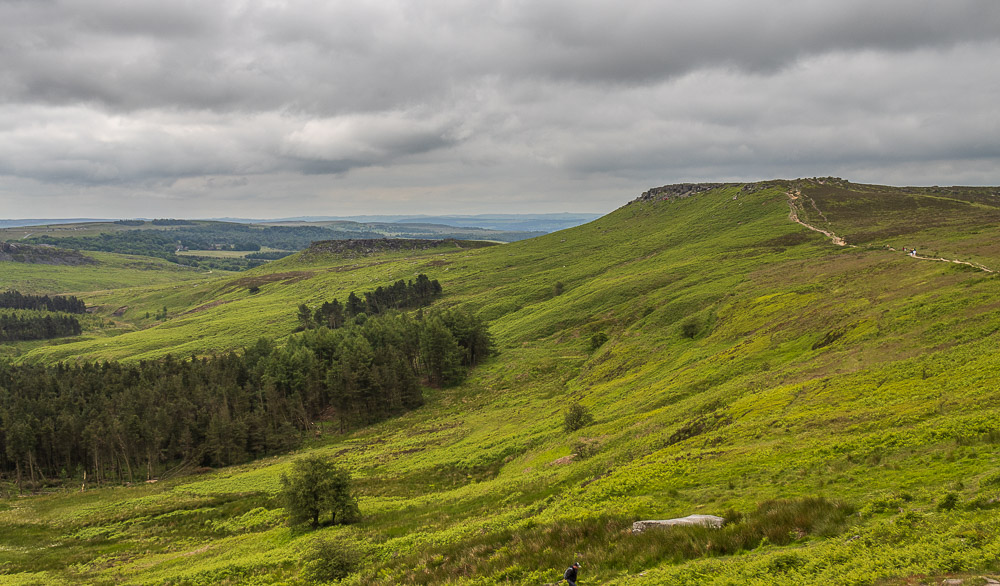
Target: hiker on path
[570, 575]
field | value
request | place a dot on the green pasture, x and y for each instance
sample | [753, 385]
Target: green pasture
[747, 361]
[110, 272]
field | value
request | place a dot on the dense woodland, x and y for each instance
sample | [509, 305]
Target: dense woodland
[399, 295]
[18, 300]
[20, 327]
[128, 422]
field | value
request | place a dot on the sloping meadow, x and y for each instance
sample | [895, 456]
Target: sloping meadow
[838, 406]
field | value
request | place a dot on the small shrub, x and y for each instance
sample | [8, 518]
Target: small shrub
[586, 448]
[598, 340]
[690, 329]
[785, 561]
[827, 339]
[948, 503]
[909, 519]
[577, 416]
[558, 288]
[699, 425]
[330, 559]
[886, 503]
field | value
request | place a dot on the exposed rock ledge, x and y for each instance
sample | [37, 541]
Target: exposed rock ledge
[705, 520]
[682, 190]
[678, 190]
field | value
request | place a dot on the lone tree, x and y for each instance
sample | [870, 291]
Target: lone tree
[315, 487]
[577, 416]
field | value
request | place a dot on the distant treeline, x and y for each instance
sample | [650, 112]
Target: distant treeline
[18, 300]
[171, 222]
[275, 255]
[127, 422]
[156, 222]
[220, 264]
[14, 328]
[164, 243]
[399, 295]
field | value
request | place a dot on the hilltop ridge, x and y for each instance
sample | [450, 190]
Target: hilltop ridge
[682, 190]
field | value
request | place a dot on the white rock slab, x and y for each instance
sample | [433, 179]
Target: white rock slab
[705, 520]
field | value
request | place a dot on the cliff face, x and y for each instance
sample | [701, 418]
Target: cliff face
[681, 190]
[45, 255]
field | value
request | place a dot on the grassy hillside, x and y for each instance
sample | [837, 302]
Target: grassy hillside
[107, 271]
[747, 359]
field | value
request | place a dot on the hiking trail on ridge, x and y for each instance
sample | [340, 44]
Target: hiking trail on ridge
[796, 205]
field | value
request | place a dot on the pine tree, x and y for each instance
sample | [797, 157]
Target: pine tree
[439, 352]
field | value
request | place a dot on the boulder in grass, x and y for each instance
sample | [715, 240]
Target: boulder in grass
[703, 520]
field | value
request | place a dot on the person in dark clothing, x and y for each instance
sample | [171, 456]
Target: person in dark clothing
[570, 575]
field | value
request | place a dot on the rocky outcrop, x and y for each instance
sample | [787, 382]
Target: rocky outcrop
[682, 190]
[703, 520]
[678, 191]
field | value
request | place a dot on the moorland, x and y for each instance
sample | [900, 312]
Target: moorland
[813, 360]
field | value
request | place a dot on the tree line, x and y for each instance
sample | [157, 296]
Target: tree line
[17, 300]
[273, 255]
[163, 243]
[399, 295]
[14, 327]
[116, 422]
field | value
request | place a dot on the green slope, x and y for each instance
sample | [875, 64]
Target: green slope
[117, 279]
[108, 271]
[748, 359]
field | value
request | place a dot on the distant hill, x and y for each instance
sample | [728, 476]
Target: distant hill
[543, 223]
[233, 246]
[43, 222]
[506, 222]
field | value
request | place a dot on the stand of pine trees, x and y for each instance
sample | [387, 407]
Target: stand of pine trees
[399, 295]
[115, 422]
[18, 300]
[15, 327]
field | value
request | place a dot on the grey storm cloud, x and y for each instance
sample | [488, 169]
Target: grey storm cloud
[481, 103]
[333, 56]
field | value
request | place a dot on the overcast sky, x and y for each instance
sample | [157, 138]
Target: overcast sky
[129, 108]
